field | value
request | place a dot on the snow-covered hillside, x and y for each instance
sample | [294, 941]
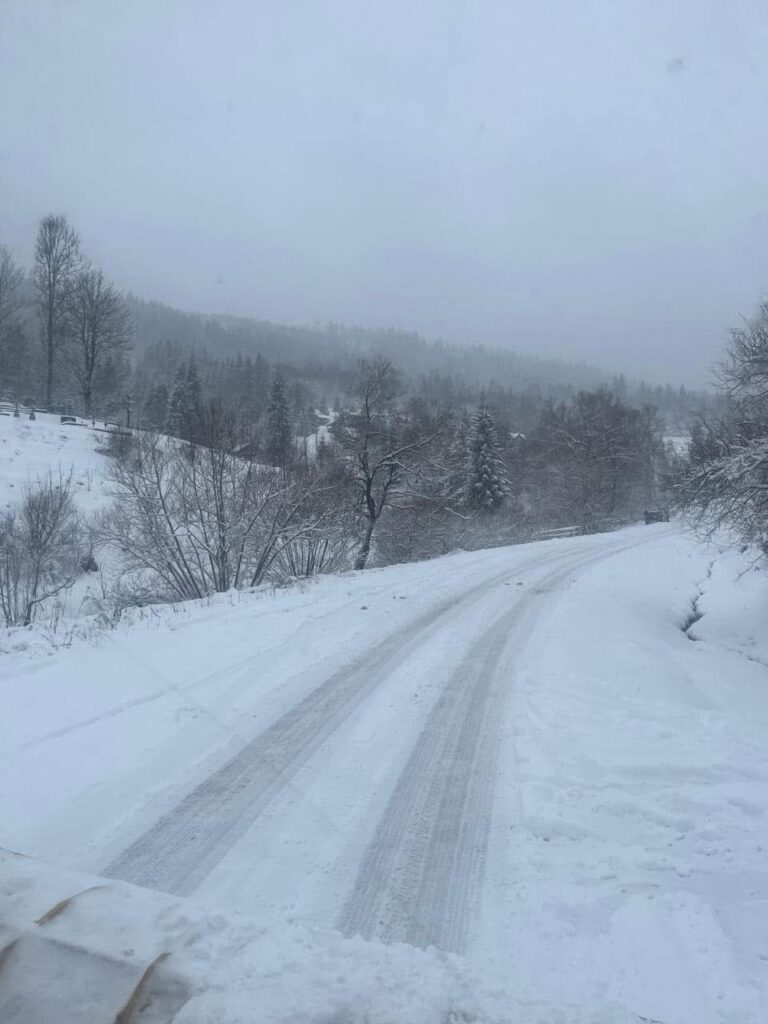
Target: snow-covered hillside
[521, 785]
[30, 449]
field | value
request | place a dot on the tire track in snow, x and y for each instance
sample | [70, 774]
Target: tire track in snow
[423, 868]
[169, 689]
[177, 853]
[177, 690]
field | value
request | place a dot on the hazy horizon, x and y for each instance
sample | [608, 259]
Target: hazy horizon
[580, 183]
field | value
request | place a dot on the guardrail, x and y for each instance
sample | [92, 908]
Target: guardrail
[559, 531]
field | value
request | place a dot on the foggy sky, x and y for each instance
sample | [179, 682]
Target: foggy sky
[584, 179]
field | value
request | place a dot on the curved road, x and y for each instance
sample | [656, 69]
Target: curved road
[421, 874]
[423, 869]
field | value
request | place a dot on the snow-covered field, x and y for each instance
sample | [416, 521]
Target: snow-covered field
[501, 786]
[29, 451]
[32, 448]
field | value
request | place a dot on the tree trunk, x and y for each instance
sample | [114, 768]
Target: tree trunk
[365, 547]
[49, 373]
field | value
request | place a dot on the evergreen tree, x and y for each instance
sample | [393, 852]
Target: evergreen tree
[194, 396]
[155, 411]
[177, 406]
[260, 384]
[185, 404]
[16, 362]
[455, 485]
[487, 482]
[109, 384]
[279, 441]
[193, 403]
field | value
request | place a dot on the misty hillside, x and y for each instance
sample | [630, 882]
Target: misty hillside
[340, 345]
[324, 357]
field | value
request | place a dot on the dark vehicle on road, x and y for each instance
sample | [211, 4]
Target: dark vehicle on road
[656, 515]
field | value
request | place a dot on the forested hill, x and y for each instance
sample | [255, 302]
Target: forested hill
[322, 360]
[143, 349]
[340, 346]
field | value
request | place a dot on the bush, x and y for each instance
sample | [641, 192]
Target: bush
[192, 520]
[42, 547]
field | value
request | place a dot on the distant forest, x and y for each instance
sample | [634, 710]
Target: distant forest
[234, 356]
[71, 341]
[247, 451]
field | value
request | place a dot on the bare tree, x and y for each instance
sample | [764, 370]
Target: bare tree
[378, 456]
[41, 548]
[595, 459]
[723, 480]
[12, 340]
[98, 325]
[12, 569]
[744, 371]
[325, 542]
[57, 260]
[191, 520]
[11, 278]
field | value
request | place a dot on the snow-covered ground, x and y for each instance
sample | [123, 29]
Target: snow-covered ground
[498, 786]
[678, 443]
[321, 436]
[30, 449]
[523, 785]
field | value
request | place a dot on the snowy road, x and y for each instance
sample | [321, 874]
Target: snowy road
[423, 869]
[500, 785]
[421, 874]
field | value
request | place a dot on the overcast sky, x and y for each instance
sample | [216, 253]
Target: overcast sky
[568, 177]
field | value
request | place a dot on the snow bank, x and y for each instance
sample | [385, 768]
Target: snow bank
[227, 968]
[630, 853]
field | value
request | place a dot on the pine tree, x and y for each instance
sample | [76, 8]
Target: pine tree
[109, 384]
[279, 439]
[194, 390]
[177, 406]
[155, 411]
[193, 402]
[455, 484]
[185, 404]
[260, 384]
[487, 481]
